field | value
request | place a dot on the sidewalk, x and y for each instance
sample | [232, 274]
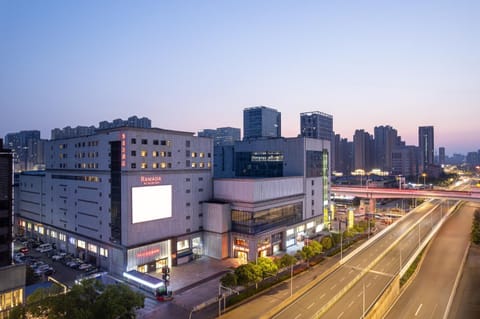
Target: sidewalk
[193, 285]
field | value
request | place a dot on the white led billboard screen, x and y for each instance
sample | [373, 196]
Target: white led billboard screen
[151, 203]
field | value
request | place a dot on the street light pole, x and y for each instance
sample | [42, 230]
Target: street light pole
[291, 280]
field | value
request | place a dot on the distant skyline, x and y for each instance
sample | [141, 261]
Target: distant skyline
[191, 65]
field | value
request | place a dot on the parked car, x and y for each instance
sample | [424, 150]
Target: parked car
[84, 266]
[24, 250]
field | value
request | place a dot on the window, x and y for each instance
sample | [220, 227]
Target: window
[155, 142]
[81, 244]
[194, 154]
[154, 165]
[133, 153]
[92, 248]
[103, 252]
[133, 141]
[155, 153]
[187, 163]
[194, 165]
[53, 234]
[62, 237]
[187, 153]
[144, 141]
[202, 154]
[144, 165]
[163, 165]
[133, 165]
[143, 153]
[187, 143]
[183, 244]
[187, 217]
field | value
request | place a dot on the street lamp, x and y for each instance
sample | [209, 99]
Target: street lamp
[424, 175]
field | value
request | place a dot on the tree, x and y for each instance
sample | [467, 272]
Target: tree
[475, 234]
[117, 302]
[229, 280]
[267, 266]
[248, 273]
[327, 242]
[89, 299]
[286, 261]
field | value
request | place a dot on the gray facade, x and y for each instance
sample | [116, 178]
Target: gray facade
[261, 122]
[89, 198]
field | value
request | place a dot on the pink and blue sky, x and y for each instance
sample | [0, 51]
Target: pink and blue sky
[190, 65]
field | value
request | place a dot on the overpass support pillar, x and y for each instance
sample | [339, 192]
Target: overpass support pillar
[373, 205]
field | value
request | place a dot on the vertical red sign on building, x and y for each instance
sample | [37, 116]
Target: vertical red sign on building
[123, 138]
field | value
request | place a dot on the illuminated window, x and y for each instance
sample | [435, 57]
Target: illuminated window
[73, 241]
[163, 165]
[92, 248]
[9, 300]
[183, 244]
[194, 154]
[290, 232]
[35, 228]
[202, 154]
[41, 230]
[310, 225]
[154, 165]
[209, 164]
[143, 153]
[62, 237]
[194, 164]
[53, 234]
[103, 252]
[155, 153]
[81, 244]
[144, 165]
[163, 154]
[201, 164]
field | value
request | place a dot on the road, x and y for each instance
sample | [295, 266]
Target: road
[342, 292]
[429, 294]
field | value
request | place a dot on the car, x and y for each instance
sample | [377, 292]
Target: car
[84, 266]
[72, 264]
[44, 271]
[57, 257]
[24, 250]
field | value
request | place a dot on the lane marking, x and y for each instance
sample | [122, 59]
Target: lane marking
[298, 316]
[333, 287]
[418, 310]
[323, 295]
[350, 304]
[311, 305]
[340, 315]
[369, 284]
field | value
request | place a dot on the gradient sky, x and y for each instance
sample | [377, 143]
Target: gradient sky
[190, 65]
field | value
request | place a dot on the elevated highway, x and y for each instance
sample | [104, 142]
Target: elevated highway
[373, 192]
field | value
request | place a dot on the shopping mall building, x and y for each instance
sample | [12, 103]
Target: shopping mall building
[130, 198]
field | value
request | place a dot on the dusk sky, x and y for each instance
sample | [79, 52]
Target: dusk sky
[191, 65]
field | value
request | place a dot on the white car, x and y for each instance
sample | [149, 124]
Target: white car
[84, 266]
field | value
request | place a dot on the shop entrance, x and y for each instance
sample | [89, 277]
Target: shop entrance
[154, 266]
[243, 256]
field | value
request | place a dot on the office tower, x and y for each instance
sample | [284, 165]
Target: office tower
[261, 122]
[12, 277]
[363, 150]
[406, 161]
[343, 155]
[319, 125]
[385, 140]
[6, 175]
[28, 150]
[222, 135]
[441, 155]
[316, 125]
[426, 145]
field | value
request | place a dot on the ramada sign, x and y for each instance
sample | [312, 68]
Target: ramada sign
[150, 180]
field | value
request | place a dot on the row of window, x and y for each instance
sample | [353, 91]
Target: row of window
[154, 165]
[63, 237]
[154, 153]
[83, 144]
[144, 141]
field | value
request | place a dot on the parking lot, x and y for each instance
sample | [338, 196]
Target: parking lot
[63, 267]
